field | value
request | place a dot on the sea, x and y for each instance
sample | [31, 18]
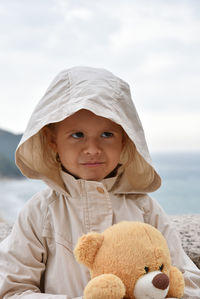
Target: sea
[178, 194]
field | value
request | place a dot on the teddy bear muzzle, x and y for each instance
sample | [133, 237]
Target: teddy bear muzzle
[154, 285]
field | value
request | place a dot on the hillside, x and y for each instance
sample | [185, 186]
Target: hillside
[8, 144]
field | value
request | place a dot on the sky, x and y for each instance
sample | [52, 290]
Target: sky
[154, 45]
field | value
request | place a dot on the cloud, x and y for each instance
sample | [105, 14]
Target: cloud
[154, 46]
[172, 132]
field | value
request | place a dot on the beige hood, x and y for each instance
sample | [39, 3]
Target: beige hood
[105, 95]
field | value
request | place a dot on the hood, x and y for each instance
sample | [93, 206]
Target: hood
[104, 94]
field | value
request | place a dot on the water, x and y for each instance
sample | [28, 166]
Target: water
[180, 190]
[14, 194]
[179, 194]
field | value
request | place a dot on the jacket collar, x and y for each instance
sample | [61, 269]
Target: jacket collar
[75, 186]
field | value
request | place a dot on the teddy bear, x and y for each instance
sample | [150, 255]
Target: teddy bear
[128, 260]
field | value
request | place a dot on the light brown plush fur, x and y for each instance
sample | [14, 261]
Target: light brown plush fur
[124, 250]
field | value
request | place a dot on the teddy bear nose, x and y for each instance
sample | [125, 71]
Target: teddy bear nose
[161, 281]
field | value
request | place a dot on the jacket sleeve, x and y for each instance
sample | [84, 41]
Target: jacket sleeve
[155, 216]
[23, 255]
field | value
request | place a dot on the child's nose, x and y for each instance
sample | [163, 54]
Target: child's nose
[92, 147]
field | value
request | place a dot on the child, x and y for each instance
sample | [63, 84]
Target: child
[86, 142]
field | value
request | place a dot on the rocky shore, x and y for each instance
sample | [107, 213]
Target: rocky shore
[188, 227]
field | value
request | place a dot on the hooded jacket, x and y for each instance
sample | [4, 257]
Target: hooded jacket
[36, 260]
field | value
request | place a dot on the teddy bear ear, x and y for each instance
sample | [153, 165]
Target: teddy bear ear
[87, 248]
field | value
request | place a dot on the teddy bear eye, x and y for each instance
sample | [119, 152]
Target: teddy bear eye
[161, 267]
[146, 269]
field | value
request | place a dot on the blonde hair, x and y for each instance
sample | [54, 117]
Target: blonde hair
[128, 151]
[49, 156]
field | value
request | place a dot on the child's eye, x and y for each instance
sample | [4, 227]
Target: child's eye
[77, 135]
[107, 134]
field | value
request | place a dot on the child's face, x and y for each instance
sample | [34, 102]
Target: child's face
[89, 146]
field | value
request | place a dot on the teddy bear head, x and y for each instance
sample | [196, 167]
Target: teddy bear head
[135, 252]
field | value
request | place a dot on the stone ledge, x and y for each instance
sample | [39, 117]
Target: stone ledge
[5, 229]
[188, 227]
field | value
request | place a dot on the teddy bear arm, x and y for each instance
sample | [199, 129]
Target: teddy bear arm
[105, 286]
[176, 285]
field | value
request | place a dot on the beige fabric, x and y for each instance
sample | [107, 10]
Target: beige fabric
[38, 255]
[102, 93]
[36, 260]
